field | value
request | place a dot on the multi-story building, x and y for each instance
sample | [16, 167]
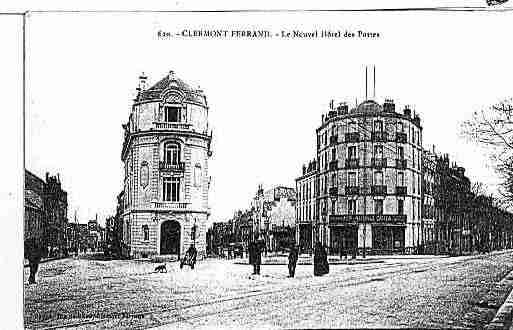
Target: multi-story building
[306, 207]
[46, 208]
[165, 153]
[275, 216]
[369, 179]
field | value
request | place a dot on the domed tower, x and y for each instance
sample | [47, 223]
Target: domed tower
[166, 148]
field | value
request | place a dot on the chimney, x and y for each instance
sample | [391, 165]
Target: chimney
[407, 111]
[142, 82]
[389, 105]
[342, 108]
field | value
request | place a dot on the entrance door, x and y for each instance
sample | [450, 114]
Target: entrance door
[170, 237]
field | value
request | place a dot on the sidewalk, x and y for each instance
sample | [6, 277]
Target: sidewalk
[503, 318]
[335, 260]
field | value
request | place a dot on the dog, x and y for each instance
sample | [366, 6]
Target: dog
[161, 269]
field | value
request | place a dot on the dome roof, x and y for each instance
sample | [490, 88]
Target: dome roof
[171, 82]
[368, 106]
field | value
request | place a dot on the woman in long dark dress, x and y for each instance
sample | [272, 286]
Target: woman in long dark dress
[318, 260]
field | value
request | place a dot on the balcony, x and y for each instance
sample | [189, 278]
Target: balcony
[379, 136]
[379, 190]
[352, 137]
[333, 165]
[400, 137]
[352, 190]
[333, 191]
[400, 163]
[170, 205]
[352, 163]
[333, 140]
[379, 162]
[400, 190]
[179, 167]
[173, 126]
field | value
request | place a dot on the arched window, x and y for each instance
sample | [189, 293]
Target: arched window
[171, 153]
[146, 232]
[197, 175]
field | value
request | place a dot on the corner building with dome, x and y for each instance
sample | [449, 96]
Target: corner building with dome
[166, 147]
[363, 188]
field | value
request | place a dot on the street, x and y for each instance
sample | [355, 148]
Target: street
[400, 291]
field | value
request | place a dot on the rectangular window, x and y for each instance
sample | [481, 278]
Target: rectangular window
[171, 189]
[334, 180]
[351, 179]
[333, 207]
[378, 178]
[378, 151]
[351, 152]
[378, 126]
[351, 206]
[400, 152]
[378, 206]
[333, 154]
[400, 206]
[400, 179]
[171, 114]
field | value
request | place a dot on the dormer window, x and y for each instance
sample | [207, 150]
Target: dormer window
[171, 114]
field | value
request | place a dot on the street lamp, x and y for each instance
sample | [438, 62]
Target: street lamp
[193, 232]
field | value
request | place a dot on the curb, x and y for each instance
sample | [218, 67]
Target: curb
[311, 263]
[502, 320]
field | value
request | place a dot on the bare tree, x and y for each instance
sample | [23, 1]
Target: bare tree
[493, 128]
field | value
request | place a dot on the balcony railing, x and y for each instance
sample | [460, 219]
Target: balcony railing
[333, 165]
[333, 191]
[400, 190]
[379, 136]
[379, 162]
[333, 139]
[379, 190]
[352, 163]
[179, 167]
[352, 137]
[352, 190]
[400, 137]
[171, 125]
[400, 163]
[170, 205]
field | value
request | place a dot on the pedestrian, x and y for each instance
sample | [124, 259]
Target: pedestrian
[190, 257]
[318, 260]
[325, 263]
[293, 256]
[255, 255]
[33, 252]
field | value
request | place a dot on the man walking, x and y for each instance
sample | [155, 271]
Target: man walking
[33, 252]
[293, 256]
[255, 256]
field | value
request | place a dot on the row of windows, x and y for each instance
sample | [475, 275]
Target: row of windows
[377, 153]
[354, 127]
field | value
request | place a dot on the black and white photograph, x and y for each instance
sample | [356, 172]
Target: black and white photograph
[279, 169]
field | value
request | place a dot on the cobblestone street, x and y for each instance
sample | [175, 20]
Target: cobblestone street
[398, 292]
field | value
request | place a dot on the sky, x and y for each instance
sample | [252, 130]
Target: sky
[266, 97]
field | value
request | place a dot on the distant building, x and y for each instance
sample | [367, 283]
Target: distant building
[46, 208]
[274, 212]
[167, 144]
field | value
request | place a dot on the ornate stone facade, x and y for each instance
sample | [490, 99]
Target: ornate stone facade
[165, 154]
